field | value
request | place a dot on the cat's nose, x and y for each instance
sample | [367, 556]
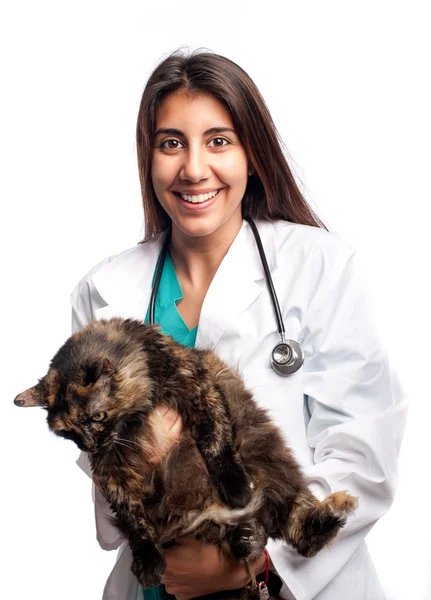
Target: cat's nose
[90, 445]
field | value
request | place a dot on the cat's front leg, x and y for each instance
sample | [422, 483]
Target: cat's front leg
[148, 561]
[213, 436]
[229, 476]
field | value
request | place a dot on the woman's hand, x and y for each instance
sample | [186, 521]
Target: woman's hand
[194, 568]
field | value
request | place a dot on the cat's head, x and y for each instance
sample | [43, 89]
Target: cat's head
[95, 389]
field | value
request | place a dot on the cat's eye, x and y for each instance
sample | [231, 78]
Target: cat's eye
[99, 417]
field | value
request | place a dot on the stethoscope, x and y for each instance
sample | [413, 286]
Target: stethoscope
[287, 356]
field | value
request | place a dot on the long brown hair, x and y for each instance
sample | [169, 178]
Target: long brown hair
[271, 192]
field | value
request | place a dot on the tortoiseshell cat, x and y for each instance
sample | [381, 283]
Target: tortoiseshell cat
[230, 479]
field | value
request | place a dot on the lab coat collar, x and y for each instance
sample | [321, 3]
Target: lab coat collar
[125, 283]
[239, 280]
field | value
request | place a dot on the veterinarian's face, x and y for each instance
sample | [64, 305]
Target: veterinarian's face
[199, 168]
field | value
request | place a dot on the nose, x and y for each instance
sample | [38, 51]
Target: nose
[89, 442]
[196, 165]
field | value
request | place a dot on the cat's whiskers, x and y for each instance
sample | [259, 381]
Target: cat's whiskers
[117, 442]
[128, 441]
[222, 371]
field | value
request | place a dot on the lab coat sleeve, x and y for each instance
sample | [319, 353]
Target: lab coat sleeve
[85, 300]
[356, 419]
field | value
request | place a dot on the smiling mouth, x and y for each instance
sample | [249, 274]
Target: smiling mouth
[198, 199]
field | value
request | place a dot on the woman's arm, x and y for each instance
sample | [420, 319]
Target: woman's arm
[356, 420]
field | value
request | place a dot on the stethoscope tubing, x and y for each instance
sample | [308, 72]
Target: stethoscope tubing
[160, 265]
[268, 277]
[287, 356]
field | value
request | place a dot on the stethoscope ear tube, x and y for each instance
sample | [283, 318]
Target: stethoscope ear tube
[269, 283]
[158, 275]
[287, 356]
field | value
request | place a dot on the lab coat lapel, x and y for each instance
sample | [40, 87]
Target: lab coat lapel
[239, 280]
[125, 283]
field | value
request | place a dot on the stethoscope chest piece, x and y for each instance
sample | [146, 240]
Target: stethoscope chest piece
[287, 357]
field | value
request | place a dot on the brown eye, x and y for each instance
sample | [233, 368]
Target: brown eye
[99, 416]
[219, 139]
[167, 145]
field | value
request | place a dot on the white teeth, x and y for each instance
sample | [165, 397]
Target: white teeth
[200, 198]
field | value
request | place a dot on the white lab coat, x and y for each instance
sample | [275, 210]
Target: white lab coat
[342, 412]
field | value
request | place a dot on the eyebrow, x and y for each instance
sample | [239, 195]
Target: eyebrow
[172, 131]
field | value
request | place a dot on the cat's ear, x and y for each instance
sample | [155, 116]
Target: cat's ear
[102, 366]
[34, 396]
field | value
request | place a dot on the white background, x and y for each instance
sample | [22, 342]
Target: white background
[347, 84]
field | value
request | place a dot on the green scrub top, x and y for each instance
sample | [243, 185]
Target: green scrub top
[165, 311]
[171, 323]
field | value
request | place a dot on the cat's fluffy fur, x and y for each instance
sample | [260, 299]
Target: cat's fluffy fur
[230, 479]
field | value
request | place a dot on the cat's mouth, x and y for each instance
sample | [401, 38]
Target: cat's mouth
[106, 445]
[101, 443]
[91, 447]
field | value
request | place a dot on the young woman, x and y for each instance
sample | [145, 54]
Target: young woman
[210, 160]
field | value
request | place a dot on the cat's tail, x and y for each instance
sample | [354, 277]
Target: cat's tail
[312, 524]
[223, 515]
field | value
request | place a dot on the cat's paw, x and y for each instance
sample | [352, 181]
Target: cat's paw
[148, 564]
[317, 525]
[341, 503]
[247, 541]
[234, 487]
